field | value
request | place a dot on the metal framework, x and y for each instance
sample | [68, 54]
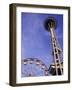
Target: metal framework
[38, 63]
[57, 67]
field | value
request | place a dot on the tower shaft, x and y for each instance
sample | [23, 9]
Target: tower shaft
[57, 67]
[56, 51]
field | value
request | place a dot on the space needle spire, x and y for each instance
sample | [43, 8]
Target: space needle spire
[57, 67]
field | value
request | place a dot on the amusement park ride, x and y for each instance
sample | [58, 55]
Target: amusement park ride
[56, 68]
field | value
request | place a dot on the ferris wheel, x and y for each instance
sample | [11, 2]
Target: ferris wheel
[33, 67]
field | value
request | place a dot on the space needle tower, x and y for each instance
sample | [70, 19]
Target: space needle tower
[57, 67]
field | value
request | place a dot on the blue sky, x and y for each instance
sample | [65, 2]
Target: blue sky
[35, 40]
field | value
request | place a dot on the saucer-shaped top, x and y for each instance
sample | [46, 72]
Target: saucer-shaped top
[50, 23]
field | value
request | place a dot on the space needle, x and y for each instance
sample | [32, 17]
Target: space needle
[55, 68]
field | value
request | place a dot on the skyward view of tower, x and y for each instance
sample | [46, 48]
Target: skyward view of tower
[41, 45]
[57, 67]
